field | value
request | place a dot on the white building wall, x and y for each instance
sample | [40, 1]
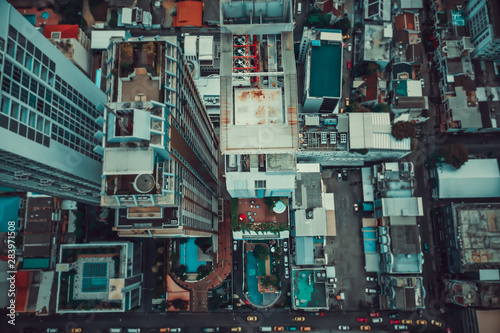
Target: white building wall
[81, 57]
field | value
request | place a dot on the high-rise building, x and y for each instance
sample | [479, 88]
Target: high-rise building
[48, 108]
[483, 21]
[258, 125]
[160, 150]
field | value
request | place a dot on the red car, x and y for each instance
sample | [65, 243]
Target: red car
[396, 321]
[374, 314]
[349, 65]
[362, 319]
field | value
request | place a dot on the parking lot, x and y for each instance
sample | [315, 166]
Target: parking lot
[347, 246]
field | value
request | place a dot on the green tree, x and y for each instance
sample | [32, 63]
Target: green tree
[260, 252]
[372, 67]
[179, 304]
[269, 281]
[343, 24]
[455, 154]
[403, 129]
[317, 19]
[381, 107]
[357, 107]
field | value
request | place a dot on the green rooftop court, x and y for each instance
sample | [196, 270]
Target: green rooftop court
[326, 75]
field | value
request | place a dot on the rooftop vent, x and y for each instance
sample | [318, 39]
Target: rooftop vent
[144, 183]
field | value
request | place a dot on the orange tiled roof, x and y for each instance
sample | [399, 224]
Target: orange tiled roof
[189, 13]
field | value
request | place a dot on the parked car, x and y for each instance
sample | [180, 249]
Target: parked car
[299, 318]
[374, 314]
[407, 321]
[370, 291]
[235, 245]
[347, 101]
[285, 246]
[349, 64]
[436, 323]
[394, 315]
[305, 328]
[349, 47]
[361, 319]
[287, 273]
[426, 248]
[422, 82]
[285, 260]
[365, 328]
[400, 327]
[346, 37]
[421, 322]
[356, 209]
[371, 279]
[210, 329]
[377, 320]
[176, 330]
[396, 321]
[344, 328]
[252, 318]
[291, 328]
[339, 177]
[76, 330]
[236, 329]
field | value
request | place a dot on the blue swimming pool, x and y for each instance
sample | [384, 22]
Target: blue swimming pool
[189, 256]
[252, 283]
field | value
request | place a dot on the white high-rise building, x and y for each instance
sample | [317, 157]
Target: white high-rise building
[47, 118]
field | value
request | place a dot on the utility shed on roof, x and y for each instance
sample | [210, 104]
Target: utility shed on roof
[190, 45]
[474, 179]
[100, 38]
[304, 251]
[189, 13]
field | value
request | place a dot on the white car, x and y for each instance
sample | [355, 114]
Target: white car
[400, 327]
[235, 245]
[377, 320]
[285, 260]
[371, 279]
[287, 273]
[344, 328]
[285, 246]
[370, 291]
[349, 47]
[339, 177]
[422, 82]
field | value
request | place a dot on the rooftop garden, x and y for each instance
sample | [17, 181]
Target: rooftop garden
[258, 215]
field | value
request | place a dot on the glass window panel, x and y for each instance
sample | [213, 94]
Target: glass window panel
[46, 128]
[24, 115]
[39, 124]
[14, 110]
[36, 68]
[20, 55]
[14, 91]
[32, 119]
[5, 105]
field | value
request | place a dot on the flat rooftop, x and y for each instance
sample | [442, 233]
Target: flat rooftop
[326, 66]
[258, 106]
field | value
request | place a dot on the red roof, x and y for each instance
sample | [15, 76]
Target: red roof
[66, 30]
[189, 13]
[405, 21]
[328, 7]
[371, 87]
[23, 281]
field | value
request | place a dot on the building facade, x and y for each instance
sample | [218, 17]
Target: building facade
[160, 150]
[48, 108]
[483, 21]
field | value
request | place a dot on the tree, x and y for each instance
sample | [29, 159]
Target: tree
[455, 154]
[372, 67]
[356, 107]
[269, 281]
[403, 129]
[381, 107]
[343, 24]
[179, 304]
[317, 19]
[260, 252]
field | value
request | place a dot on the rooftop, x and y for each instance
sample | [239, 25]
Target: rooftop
[377, 44]
[466, 182]
[326, 71]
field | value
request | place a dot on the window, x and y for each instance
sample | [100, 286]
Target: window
[24, 115]
[36, 68]
[14, 110]
[55, 35]
[32, 119]
[28, 61]
[11, 48]
[260, 184]
[5, 105]
[39, 124]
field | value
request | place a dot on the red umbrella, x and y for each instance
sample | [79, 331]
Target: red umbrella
[242, 217]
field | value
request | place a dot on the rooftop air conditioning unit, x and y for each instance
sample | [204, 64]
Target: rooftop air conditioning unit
[174, 222]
